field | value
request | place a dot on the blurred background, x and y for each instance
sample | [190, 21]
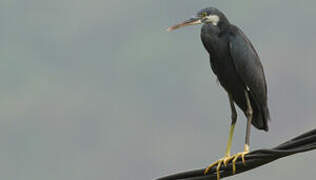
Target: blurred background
[99, 90]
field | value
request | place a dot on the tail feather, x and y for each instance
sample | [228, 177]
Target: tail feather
[261, 115]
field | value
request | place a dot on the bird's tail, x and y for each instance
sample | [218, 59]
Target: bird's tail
[261, 116]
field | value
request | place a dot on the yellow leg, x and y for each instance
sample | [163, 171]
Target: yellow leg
[227, 156]
[230, 139]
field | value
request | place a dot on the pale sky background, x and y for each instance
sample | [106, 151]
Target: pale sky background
[99, 90]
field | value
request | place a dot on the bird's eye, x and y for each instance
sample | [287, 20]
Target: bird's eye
[204, 14]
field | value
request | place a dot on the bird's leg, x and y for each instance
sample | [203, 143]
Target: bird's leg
[227, 156]
[249, 114]
[231, 132]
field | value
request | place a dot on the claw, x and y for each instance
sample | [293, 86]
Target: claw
[236, 156]
[225, 161]
[242, 155]
[219, 163]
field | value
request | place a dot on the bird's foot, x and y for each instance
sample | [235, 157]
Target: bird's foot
[225, 160]
[242, 155]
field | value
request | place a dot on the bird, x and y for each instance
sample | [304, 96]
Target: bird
[238, 68]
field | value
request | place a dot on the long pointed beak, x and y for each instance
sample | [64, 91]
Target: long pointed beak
[192, 21]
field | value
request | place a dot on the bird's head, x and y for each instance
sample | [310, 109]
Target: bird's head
[204, 16]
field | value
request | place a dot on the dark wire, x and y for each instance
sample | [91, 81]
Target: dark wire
[302, 143]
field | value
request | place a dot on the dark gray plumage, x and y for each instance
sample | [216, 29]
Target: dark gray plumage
[237, 66]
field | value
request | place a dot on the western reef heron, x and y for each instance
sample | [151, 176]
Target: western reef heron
[237, 66]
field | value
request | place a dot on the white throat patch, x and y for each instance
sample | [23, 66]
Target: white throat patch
[214, 19]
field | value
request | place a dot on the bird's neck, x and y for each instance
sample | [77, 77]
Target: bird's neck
[224, 25]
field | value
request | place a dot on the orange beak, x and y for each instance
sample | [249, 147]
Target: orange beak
[189, 22]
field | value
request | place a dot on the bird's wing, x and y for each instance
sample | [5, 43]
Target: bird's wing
[248, 66]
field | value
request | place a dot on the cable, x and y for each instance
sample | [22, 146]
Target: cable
[299, 144]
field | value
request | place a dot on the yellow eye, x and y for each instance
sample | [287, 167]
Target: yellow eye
[204, 14]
